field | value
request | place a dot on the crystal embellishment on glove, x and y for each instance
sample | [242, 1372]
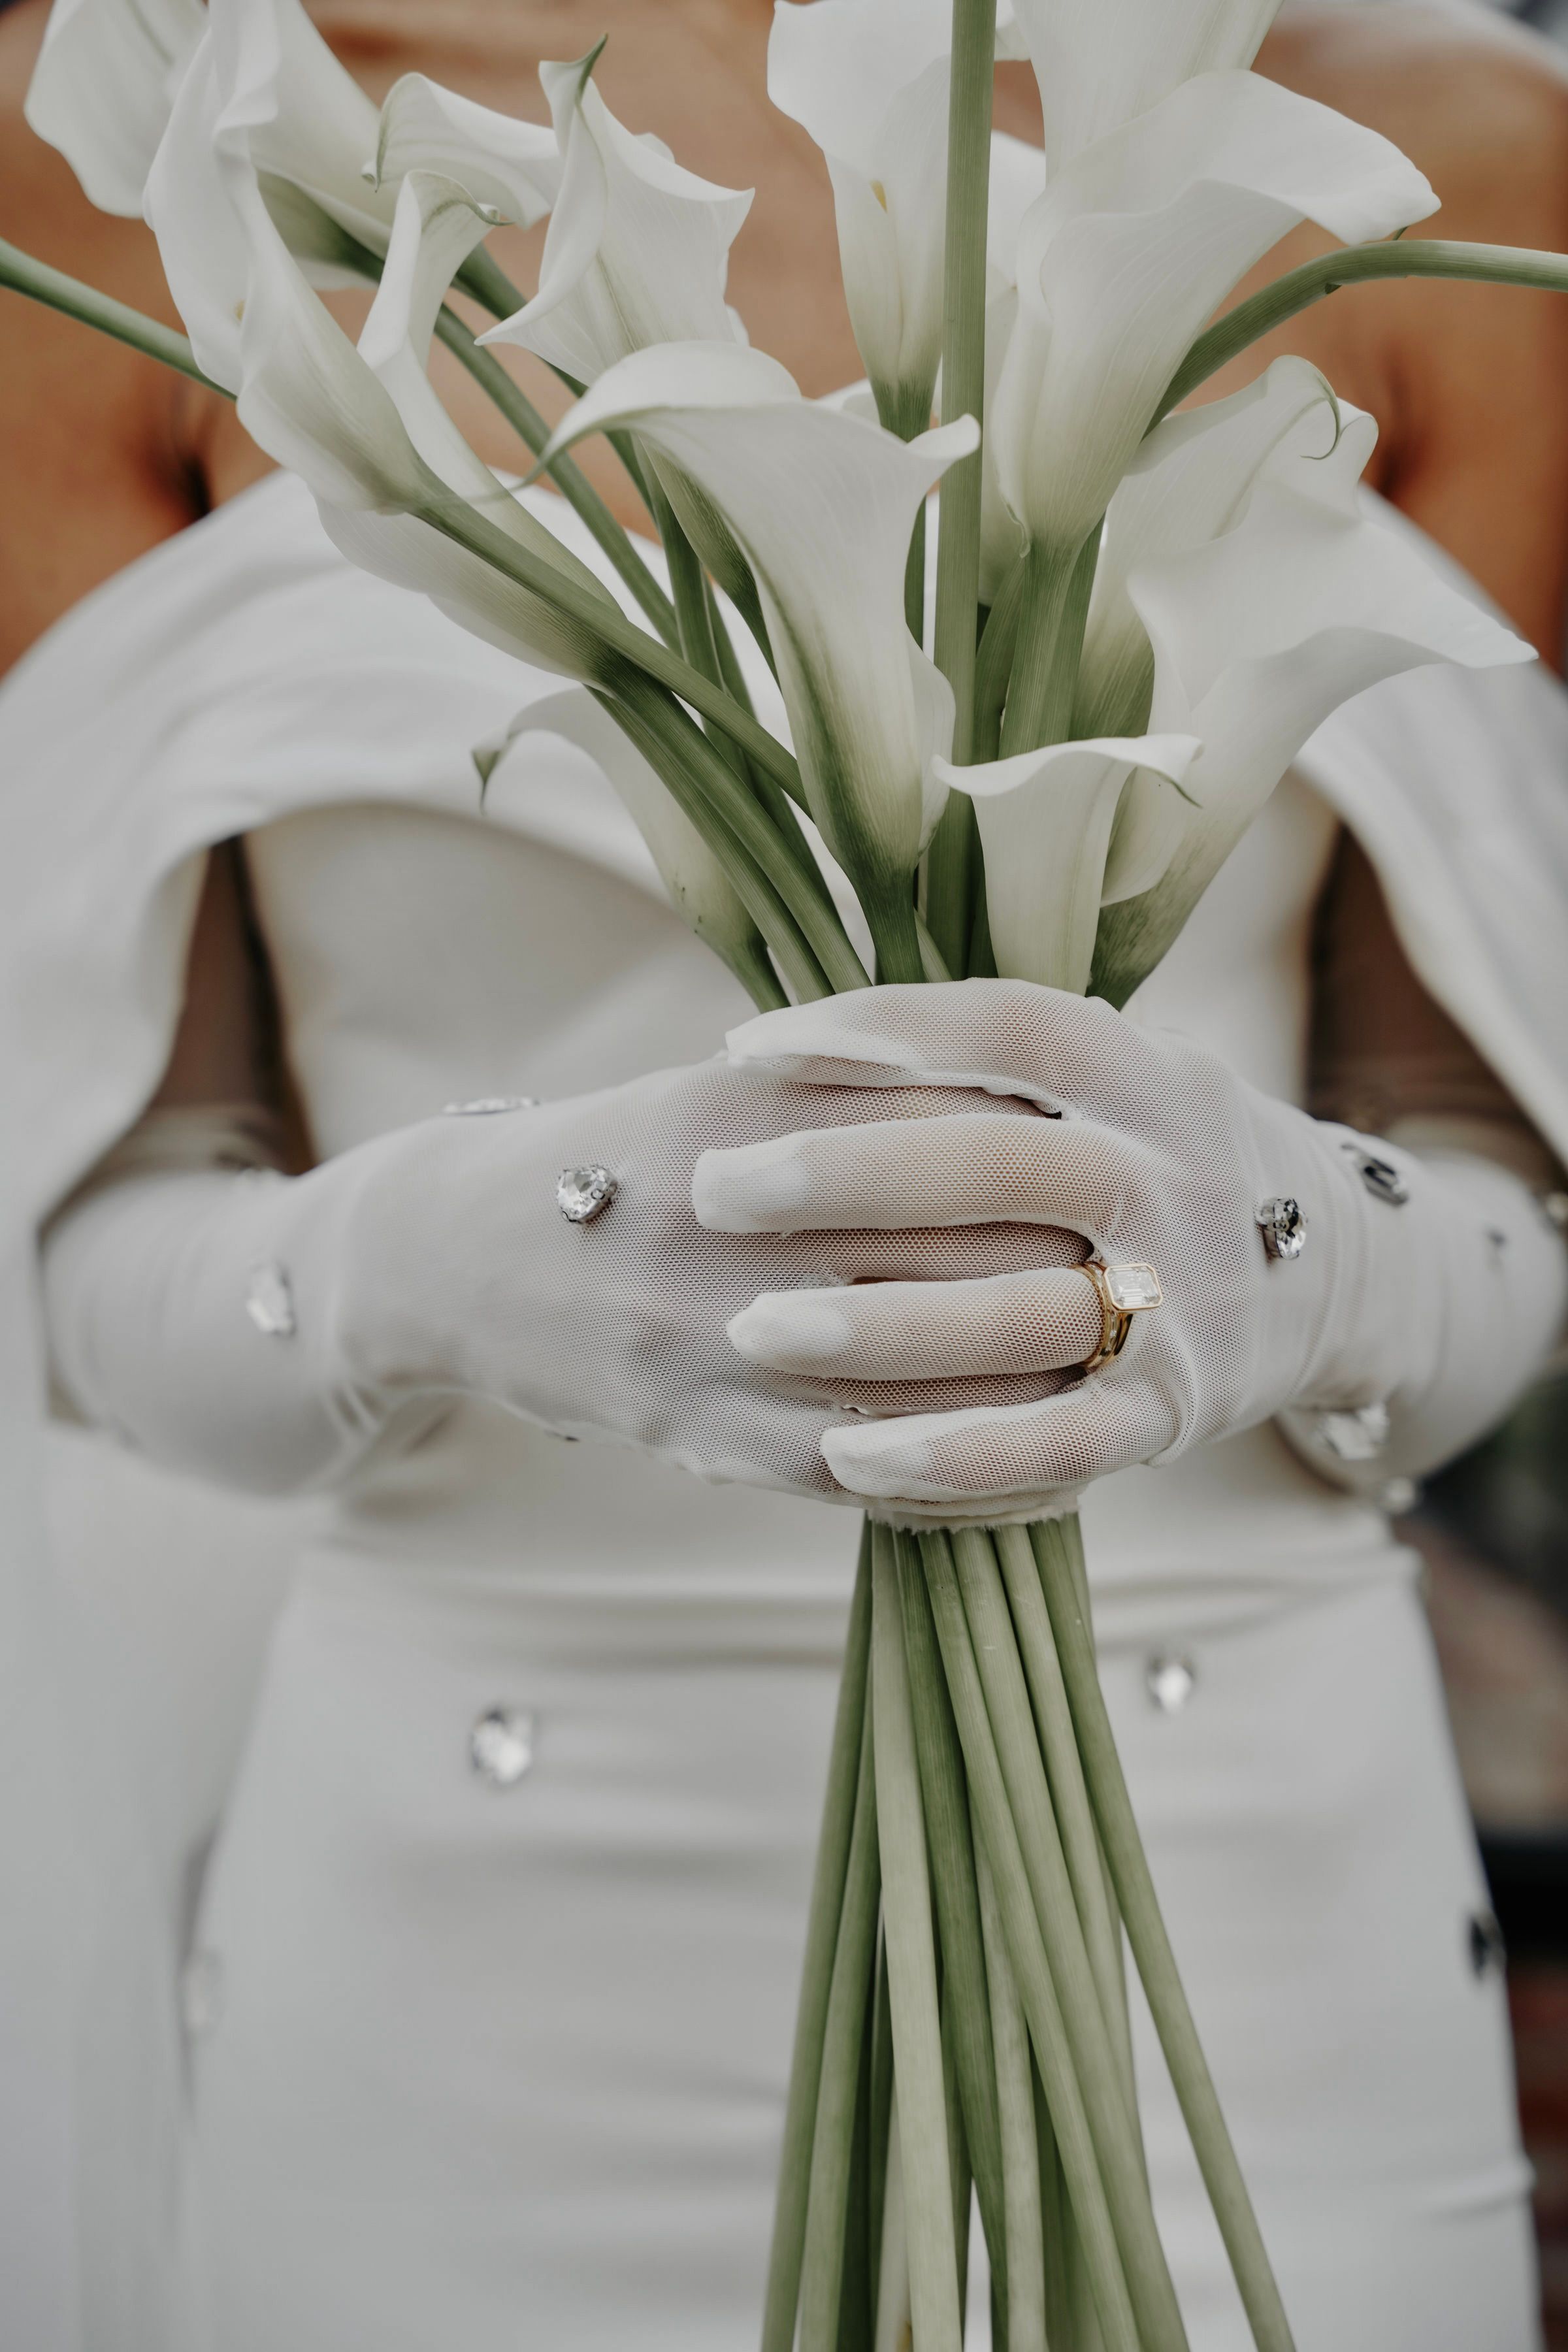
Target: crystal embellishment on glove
[270, 1301]
[1358, 1436]
[1283, 1226]
[1381, 1177]
[581, 1192]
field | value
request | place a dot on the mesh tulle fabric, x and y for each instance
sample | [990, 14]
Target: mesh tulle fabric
[618, 1327]
[893, 1246]
[1157, 1153]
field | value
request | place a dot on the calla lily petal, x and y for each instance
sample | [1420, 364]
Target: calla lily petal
[1189, 483]
[1100, 62]
[512, 166]
[263, 96]
[689, 870]
[637, 250]
[822, 506]
[1132, 249]
[1045, 820]
[868, 79]
[1257, 638]
[104, 86]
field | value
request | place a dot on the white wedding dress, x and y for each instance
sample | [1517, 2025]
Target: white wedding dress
[499, 2057]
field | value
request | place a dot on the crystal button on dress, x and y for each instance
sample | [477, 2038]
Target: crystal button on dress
[501, 1745]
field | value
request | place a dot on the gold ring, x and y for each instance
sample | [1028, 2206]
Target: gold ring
[1122, 1291]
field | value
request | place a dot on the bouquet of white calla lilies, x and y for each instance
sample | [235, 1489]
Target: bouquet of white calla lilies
[1138, 618]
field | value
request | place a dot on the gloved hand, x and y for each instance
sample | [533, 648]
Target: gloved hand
[1429, 1294]
[269, 1331]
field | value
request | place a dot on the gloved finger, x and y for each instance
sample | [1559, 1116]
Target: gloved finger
[1005, 1456]
[1035, 1322]
[1000, 1036]
[935, 1171]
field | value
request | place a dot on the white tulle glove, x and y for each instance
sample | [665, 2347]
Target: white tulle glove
[1417, 1299]
[269, 1331]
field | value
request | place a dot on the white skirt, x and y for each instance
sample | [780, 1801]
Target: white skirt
[506, 2064]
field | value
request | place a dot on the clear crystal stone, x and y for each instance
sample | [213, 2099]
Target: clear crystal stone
[1131, 1288]
[1170, 1681]
[581, 1192]
[486, 1106]
[1381, 1177]
[270, 1301]
[501, 1745]
[1358, 1436]
[1488, 1951]
[1399, 1495]
[1555, 1205]
[1284, 1226]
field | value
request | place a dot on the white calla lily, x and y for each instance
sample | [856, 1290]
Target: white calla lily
[1258, 636]
[689, 869]
[1133, 246]
[1045, 820]
[1100, 62]
[822, 505]
[1189, 483]
[104, 86]
[868, 79]
[637, 250]
[263, 98]
[512, 167]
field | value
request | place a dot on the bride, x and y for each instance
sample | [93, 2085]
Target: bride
[489, 1996]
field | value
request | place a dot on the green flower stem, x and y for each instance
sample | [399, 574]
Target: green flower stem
[911, 1974]
[821, 2267]
[574, 485]
[1075, 1815]
[965, 1973]
[829, 1880]
[22, 275]
[1490, 265]
[915, 582]
[881, 2094]
[1115, 2131]
[1058, 1553]
[893, 2325]
[703, 787]
[1063, 2255]
[960, 2177]
[947, 882]
[964, 349]
[950, 860]
[994, 664]
[1023, 2235]
[1055, 607]
[1053, 2052]
[705, 643]
[445, 511]
[862, 2253]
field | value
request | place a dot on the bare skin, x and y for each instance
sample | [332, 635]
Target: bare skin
[103, 454]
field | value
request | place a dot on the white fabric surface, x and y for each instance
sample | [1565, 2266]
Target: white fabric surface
[508, 2064]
